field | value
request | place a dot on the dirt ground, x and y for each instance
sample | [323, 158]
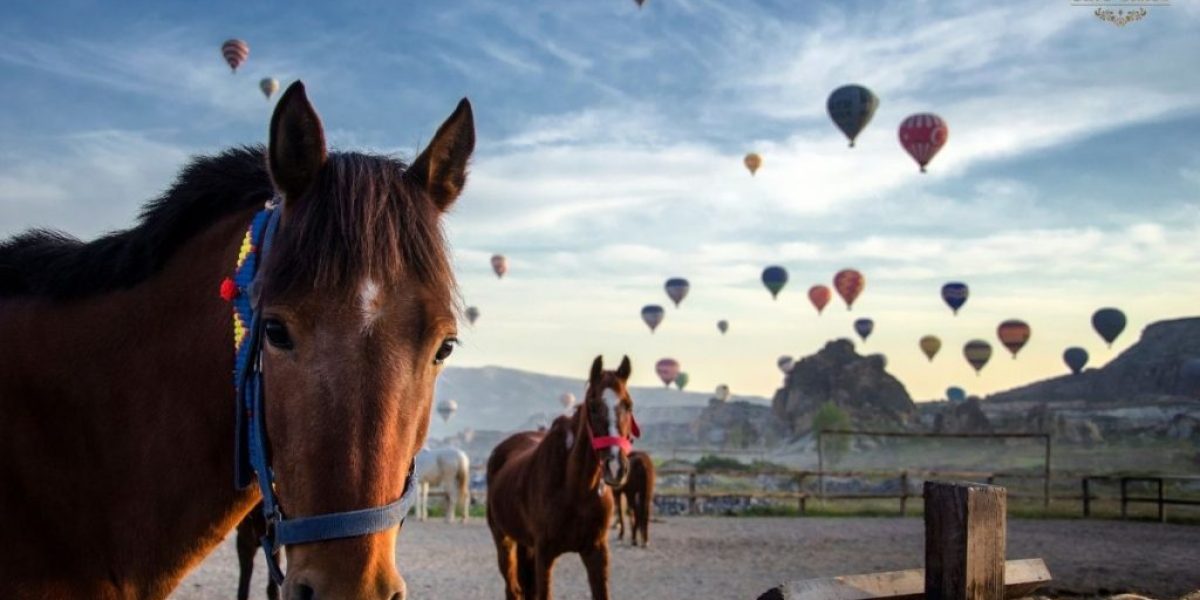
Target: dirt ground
[714, 557]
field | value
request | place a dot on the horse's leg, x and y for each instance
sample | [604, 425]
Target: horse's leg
[506, 556]
[526, 572]
[464, 493]
[422, 500]
[451, 499]
[544, 567]
[247, 545]
[595, 561]
[620, 524]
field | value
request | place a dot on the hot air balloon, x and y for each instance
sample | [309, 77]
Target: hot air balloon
[722, 393]
[446, 408]
[956, 394]
[955, 295]
[268, 85]
[864, 327]
[677, 289]
[640, 2]
[849, 284]
[977, 352]
[681, 381]
[1189, 378]
[1013, 333]
[667, 370]
[930, 345]
[851, 108]
[819, 296]
[1109, 323]
[922, 135]
[774, 277]
[472, 314]
[653, 314]
[567, 400]
[785, 364]
[752, 161]
[1076, 359]
[235, 53]
[722, 326]
[499, 265]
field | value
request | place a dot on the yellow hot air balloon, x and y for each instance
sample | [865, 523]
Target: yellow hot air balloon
[752, 161]
[268, 85]
[930, 345]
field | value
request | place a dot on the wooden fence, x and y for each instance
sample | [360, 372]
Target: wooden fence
[1125, 499]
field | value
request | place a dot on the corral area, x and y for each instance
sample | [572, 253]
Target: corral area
[724, 557]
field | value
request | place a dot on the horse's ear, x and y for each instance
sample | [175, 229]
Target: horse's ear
[625, 369]
[297, 147]
[597, 371]
[441, 169]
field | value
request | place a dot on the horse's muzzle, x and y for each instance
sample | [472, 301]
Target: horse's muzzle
[616, 470]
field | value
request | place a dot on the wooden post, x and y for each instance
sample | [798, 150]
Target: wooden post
[1087, 499]
[1162, 510]
[691, 493]
[1046, 476]
[964, 541]
[904, 493]
[821, 468]
[1124, 497]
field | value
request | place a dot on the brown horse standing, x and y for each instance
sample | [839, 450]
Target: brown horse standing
[638, 495]
[548, 490]
[117, 414]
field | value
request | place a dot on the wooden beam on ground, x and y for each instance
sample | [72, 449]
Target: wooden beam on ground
[1022, 577]
[964, 541]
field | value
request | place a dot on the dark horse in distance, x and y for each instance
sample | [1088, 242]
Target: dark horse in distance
[548, 490]
[638, 496]
[117, 399]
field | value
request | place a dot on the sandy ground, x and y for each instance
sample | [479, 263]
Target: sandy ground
[714, 557]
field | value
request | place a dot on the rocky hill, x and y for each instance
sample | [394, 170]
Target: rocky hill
[859, 385]
[1147, 371]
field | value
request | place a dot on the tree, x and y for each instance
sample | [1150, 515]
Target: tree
[830, 417]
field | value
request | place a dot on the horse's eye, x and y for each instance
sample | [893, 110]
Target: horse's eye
[277, 334]
[445, 350]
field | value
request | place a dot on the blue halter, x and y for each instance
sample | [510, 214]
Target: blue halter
[251, 457]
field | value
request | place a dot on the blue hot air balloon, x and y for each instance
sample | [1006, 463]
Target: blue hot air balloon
[1076, 359]
[677, 289]
[864, 327]
[955, 295]
[652, 314]
[1109, 323]
[774, 277]
[956, 394]
[851, 108]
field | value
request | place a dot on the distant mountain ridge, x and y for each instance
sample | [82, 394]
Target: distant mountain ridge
[504, 399]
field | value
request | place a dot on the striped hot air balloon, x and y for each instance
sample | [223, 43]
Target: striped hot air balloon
[849, 284]
[1014, 334]
[235, 52]
[922, 135]
[819, 295]
[977, 353]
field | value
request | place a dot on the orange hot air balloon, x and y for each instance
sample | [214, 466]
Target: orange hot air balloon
[235, 52]
[752, 161]
[1013, 333]
[930, 345]
[819, 296]
[849, 284]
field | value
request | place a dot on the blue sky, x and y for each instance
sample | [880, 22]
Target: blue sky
[609, 158]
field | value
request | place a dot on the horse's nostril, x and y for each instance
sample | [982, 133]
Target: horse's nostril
[303, 592]
[398, 596]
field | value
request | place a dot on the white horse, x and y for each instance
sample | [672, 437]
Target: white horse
[450, 468]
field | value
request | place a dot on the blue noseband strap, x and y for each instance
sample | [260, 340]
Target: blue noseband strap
[251, 456]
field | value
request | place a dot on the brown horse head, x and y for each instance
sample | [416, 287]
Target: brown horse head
[357, 298]
[608, 416]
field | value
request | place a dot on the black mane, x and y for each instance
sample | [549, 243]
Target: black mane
[54, 264]
[360, 218]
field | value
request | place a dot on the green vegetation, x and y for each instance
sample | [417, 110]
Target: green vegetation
[828, 417]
